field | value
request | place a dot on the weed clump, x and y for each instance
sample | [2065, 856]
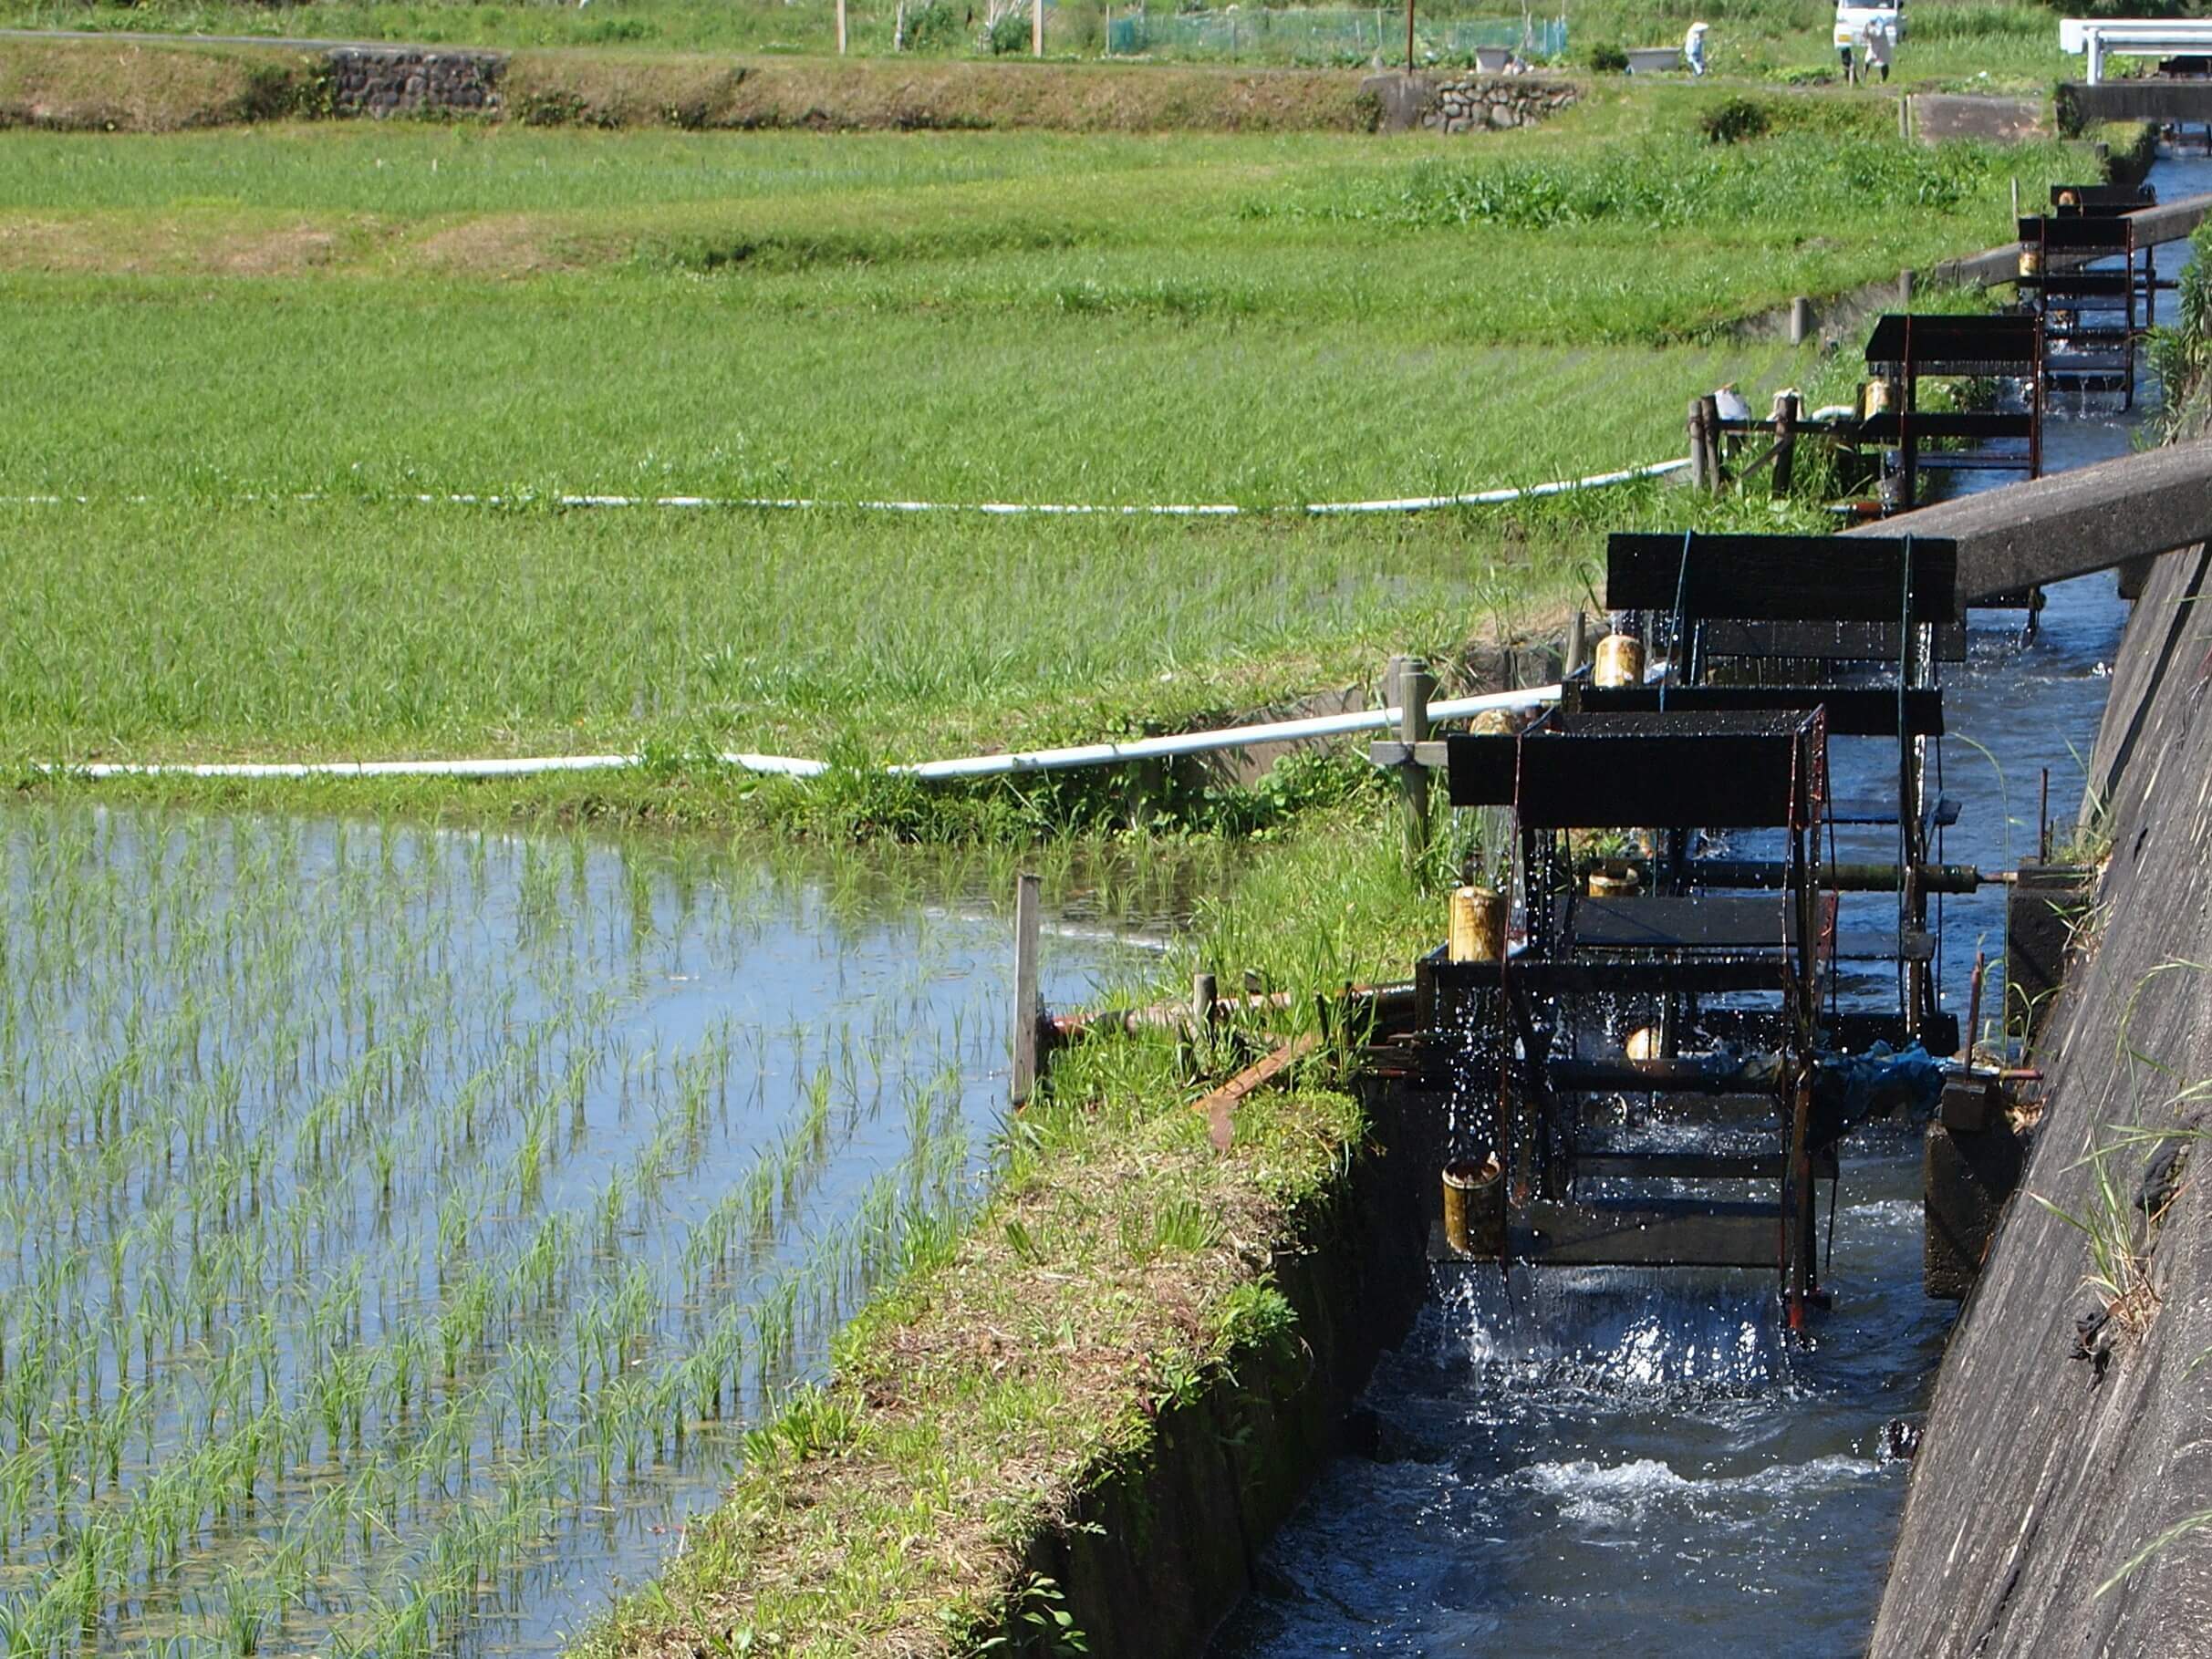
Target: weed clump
[1734, 173]
[1734, 119]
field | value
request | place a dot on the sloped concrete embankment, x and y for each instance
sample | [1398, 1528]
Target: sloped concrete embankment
[2067, 1437]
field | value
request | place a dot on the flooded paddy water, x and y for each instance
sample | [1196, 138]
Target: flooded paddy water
[403, 1223]
[1636, 1463]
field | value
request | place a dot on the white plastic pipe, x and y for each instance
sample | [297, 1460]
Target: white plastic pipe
[793, 766]
[994, 509]
[1228, 737]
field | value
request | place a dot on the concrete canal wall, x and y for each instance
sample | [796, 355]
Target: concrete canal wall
[1165, 1548]
[2068, 1434]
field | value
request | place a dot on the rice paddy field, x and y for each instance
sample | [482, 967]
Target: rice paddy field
[403, 1225]
[407, 1221]
[263, 348]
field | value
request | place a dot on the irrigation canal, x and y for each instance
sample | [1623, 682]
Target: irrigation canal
[577, 1134]
[1636, 1462]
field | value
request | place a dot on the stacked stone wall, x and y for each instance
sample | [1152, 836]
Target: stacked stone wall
[1477, 103]
[397, 80]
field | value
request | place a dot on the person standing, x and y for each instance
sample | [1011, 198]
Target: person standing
[1693, 49]
[1878, 42]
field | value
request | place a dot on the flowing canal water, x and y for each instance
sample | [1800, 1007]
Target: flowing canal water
[402, 1223]
[1578, 1461]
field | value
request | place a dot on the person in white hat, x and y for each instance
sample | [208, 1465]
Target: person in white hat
[1693, 49]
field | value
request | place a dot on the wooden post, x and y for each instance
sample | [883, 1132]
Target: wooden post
[1697, 443]
[1905, 289]
[1204, 993]
[1036, 28]
[2016, 198]
[1801, 320]
[1578, 646]
[1905, 116]
[1715, 469]
[1411, 684]
[1025, 1009]
[1408, 36]
[840, 29]
[1785, 442]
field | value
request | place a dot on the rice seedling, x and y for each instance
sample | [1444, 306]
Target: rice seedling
[362, 1248]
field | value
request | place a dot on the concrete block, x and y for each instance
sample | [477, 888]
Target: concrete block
[1404, 98]
[1938, 116]
[2041, 910]
[1966, 1178]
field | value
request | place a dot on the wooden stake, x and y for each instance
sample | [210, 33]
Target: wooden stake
[1696, 427]
[1715, 469]
[1801, 320]
[1026, 1010]
[1785, 442]
[1578, 646]
[1408, 36]
[1036, 28]
[1411, 685]
[840, 29]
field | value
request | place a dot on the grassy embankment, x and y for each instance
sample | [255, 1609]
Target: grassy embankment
[1960, 44]
[232, 320]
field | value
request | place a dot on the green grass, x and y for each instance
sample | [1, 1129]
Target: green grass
[366, 315]
[335, 627]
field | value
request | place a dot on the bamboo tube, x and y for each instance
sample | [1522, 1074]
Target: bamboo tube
[1474, 1207]
[1477, 925]
[1620, 661]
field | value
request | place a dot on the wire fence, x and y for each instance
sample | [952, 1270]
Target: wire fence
[1318, 34]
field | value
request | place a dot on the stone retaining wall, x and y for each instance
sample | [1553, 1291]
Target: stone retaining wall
[1472, 103]
[387, 80]
[1465, 102]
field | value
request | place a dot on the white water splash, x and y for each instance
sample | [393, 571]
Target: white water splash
[1596, 1494]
